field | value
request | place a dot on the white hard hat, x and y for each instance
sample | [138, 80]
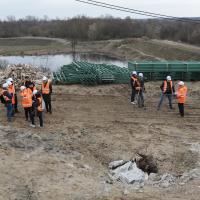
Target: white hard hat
[141, 74]
[5, 85]
[35, 92]
[10, 79]
[44, 78]
[22, 88]
[169, 78]
[9, 83]
[134, 73]
[181, 83]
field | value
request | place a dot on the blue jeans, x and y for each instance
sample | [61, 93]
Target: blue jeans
[9, 108]
[141, 94]
[169, 96]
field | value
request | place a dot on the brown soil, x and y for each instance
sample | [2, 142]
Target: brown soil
[89, 127]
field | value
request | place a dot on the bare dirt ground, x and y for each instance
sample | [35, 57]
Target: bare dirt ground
[91, 126]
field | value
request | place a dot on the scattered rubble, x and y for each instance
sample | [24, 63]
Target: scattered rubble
[134, 171]
[143, 171]
[19, 71]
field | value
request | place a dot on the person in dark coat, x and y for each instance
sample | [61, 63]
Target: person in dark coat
[142, 86]
[29, 84]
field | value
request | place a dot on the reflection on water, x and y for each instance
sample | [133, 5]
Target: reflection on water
[54, 62]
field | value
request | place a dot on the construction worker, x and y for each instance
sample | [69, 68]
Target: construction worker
[46, 93]
[29, 84]
[26, 95]
[11, 90]
[39, 107]
[135, 86]
[15, 100]
[142, 90]
[181, 95]
[6, 98]
[168, 90]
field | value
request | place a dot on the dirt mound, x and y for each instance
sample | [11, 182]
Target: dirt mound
[20, 71]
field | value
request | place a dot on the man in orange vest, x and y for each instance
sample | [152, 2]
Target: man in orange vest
[11, 90]
[14, 100]
[135, 86]
[181, 95]
[46, 93]
[168, 90]
[7, 98]
[26, 95]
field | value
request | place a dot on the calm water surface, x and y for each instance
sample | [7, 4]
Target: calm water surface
[54, 62]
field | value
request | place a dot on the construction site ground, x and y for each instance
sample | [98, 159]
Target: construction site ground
[91, 126]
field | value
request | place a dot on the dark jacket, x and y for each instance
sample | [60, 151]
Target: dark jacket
[29, 84]
[141, 80]
[169, 90]
[37, 102]
[7, 94]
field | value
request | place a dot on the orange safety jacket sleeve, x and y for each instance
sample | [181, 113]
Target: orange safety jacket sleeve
[182, 94]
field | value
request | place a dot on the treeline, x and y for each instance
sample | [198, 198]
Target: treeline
[84, 28]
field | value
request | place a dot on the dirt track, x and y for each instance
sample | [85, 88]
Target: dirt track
[90, 127]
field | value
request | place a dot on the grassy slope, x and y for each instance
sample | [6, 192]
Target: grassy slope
[29, 46]
[140, 49]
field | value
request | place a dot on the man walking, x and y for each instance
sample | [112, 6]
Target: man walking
[46, 93]
[168, 90]
[181, 96]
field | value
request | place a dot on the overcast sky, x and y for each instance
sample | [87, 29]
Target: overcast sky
[71, 8]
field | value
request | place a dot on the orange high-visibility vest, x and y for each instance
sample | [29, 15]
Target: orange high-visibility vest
[40, 104]
[165, 86]
[27, 98]
[11, 89]
[46, 88]
[182, 94]
[137, 82]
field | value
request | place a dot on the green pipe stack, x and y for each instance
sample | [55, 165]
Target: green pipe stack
[79, 72]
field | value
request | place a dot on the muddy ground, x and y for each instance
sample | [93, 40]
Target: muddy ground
[91, 126]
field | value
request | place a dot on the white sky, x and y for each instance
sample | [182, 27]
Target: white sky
[70, 8]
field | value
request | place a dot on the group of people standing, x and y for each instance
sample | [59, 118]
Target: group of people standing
[31, 99]
[167, 91]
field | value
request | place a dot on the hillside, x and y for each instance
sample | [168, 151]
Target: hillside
[125, 49]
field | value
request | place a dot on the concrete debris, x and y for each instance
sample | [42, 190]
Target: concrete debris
[153, 177]
[192, 174]
[115, 164]
[128, 173]
[19, 71]
[167, 180]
